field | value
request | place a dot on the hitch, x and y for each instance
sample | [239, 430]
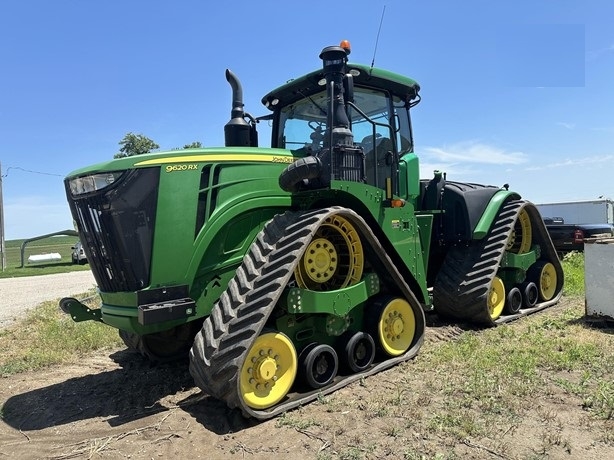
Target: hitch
[78, 311]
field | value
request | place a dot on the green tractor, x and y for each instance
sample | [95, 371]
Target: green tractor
[289, 272]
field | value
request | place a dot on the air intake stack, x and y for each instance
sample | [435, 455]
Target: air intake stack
[334, 59]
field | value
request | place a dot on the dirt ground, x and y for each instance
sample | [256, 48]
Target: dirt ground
[119, 406]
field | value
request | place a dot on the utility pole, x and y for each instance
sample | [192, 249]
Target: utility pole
[2, 248]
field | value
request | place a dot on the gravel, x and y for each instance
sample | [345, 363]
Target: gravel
[18, 295]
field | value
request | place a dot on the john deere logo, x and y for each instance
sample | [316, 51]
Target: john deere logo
[173, 168]
[282, 160]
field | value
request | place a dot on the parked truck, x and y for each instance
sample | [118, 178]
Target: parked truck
[570, 237]
[293, 270]
[599, 211]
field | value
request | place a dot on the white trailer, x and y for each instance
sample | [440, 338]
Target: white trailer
[599, 211]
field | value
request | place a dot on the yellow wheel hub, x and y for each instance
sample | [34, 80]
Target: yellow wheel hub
[396, 327]
[547, 281]
[496, 298]
[522, 234]
[320, 260]
[334, 259]
[269, 370]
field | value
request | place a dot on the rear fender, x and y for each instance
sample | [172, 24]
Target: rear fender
[491, 211]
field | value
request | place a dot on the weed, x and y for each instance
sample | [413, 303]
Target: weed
[601, 400]
[351, 453]
[607, 437]
[46, 337]
[393, 431]
[458, 424]
[295, 421]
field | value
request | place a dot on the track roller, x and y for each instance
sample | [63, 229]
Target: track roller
[359, 351]
[529, 294]
[513, 301]
[319, 365]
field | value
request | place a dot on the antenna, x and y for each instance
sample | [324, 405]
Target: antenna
[377, 38]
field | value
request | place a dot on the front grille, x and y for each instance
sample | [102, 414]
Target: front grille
[116, 226]
[207, 195]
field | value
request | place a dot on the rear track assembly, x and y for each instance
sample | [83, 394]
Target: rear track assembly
[466, 277]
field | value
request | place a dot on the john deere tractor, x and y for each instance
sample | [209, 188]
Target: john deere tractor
[291, 271]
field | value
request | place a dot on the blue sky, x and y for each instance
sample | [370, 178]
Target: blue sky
[516, 92]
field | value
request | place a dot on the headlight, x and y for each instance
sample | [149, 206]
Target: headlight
[89, 184]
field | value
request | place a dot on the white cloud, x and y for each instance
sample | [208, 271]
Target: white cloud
[566, 125]
[595, 160]
[606, 129]
[472, 152]
[594, 54]
[458, 170]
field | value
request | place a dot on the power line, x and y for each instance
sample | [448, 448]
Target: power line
[29, 171]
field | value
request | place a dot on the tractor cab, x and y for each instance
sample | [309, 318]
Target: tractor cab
[352, 105]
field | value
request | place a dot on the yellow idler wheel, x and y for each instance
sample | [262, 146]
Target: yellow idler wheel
[496, 298]
[334, 259]
[544, 275]
[269, 370]
[522, 235]
[396, 327]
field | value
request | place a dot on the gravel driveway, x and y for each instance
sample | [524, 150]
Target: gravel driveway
[18, 295]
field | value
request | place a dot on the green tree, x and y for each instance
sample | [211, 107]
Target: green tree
[193, 145]
[135, 144]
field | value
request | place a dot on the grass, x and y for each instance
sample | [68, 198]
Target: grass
[59, 244]
[573, 266]
[47, 337]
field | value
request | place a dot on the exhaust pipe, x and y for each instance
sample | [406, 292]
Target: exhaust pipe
[238, 132]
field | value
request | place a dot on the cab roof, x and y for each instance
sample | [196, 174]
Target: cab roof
[406, 88]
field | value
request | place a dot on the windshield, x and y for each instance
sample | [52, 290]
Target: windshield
[380, 124]
[302, 125]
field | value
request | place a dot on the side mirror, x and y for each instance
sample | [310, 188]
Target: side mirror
[348, 87]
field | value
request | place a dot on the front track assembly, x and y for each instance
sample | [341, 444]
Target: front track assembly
[235, 349]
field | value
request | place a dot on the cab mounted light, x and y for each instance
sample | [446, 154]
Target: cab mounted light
[345, 44]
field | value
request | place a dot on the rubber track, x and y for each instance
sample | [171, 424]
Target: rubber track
[240, 314]
[464, 281]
